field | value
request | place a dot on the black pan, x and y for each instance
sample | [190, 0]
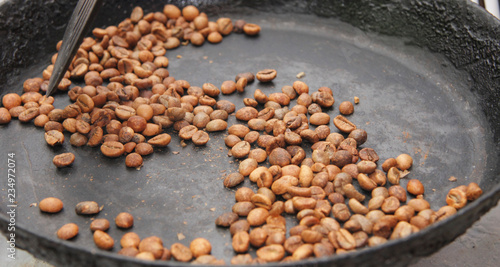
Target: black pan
[427, 74]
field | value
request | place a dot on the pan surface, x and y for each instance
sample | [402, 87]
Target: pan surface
[412, 100]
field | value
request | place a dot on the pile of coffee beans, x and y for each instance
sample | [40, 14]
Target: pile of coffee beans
[340, 197]
[129, 114]
[333, 215]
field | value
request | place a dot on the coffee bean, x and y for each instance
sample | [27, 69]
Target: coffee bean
[343, 124]
[28, 114]
[103, 240]
[112, 149]
[404, 161]
[5, 116]
[233, 180]
[87, 208]
[51, 205]
[160, 140]
[216, 125]
[130, 239]
[124, 220]
[226, 219]
[63, 160]
[133, 160]
[241, 242]
[473, 191]
[271, 253]
[251, 29]
[181, 252]
[67, 231]
[456, 198]
[247, 75]
[415, 187]
[257, 216]
[200, 246]
[240, 149]
[266, 75]
[99, 224]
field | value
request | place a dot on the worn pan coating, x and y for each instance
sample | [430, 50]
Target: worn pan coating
[427, 73]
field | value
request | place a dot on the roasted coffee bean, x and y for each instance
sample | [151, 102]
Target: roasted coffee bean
[133, 160]
[226, 219]
[130, 239]
[160, 140]
[233, 180]
[266, 75]
[216, 125]
[456, 198]
[124, 220]
[240, 149]
[181, 253]
[28, 114]
[87, 208]
[67, 231]
[99, 224]
[398, 191]
[251, 29]
[368, 154]
[112, 149]
[257, 216]
[404, 161]
[54, 137]
[343, 124]
[415, 187]
[103, 240]
[50, 205]
[63, 160]
[200, 246]
[473, 191]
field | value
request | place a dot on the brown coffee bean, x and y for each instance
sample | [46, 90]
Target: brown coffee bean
[404, 213]
[415, 187]
[241, 242]
[241, 84]
[251, 29]
[343, 124]
[243, 194]
[456, 198]
[200, 138]
[112, 149]
[247, 75]
[404, 161]
[390, 204]
[233, 180]
[5, 116]
[398, 191]
[319, 118]
[200, 246]
[357, 207]
[130, 252]
[67, 231]
[240, 149]
[63, 160]
[366, 183]
[473, 191]
[130, 239]
[246, 113]
[216, 125]
[280, 157]
[226, 219]
[266, 75]
[87, 208]
[160, 140]
[124, 220]
[257, 216]
[181, 252]
[134, 160]
[99, 224]
[242, 208]
[51, 205]
[103, 240]
[368, 154]
[388, 164]
[27, 115]
[346, 108]
[11, 100]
